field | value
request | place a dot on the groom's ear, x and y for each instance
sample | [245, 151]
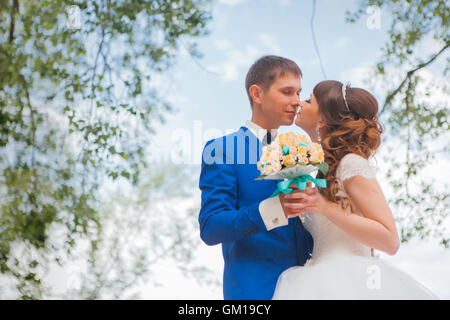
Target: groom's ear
[256, 93]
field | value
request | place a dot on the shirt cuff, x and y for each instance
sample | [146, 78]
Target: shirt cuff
[272, 213]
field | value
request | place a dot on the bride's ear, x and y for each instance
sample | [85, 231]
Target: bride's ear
[321, 124]
[256, 93]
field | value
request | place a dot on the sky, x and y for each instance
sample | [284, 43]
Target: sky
[210, 97]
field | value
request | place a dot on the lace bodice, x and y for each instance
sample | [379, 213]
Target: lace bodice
[353, 165]
[329, 239]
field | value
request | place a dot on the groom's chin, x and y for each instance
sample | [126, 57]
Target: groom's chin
[288, 122]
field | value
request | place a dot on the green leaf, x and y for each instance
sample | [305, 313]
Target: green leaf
[123, 155]
[261, 177]
[323, 167]
[125, 174]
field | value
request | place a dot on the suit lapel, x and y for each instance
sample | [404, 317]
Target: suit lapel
[251, 146]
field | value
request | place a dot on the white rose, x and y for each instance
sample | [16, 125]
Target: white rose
[275, 155]
[276, 145]
[276, 166]
[267, 169]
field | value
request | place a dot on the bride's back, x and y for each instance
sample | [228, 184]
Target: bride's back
[329, 239]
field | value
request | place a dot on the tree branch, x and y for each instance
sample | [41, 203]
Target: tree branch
[391, 96]
[33, 127]
[313, 34]
[15, 9]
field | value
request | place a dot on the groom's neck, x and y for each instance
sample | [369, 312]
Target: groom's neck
[263, 123]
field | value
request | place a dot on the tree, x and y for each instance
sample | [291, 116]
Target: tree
[77, 106]
[415, 110]
[139, 232]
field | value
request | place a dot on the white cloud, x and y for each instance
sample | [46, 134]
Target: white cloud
[228, 71]
[244, 57]
[357, 75]
[238, 58]
[234, 60]
[222, 44]
[269, 43]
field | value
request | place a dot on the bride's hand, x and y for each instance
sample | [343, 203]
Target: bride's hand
[292, 207]
[301, 201]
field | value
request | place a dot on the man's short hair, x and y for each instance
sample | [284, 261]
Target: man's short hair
[266, 70]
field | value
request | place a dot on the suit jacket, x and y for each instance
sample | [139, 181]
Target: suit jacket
[229, 214]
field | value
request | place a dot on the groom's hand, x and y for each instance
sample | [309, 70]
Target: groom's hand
[297, 202]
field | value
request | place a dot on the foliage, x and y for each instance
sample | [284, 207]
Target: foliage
[413, 69]
[77, 109]
[140, 234]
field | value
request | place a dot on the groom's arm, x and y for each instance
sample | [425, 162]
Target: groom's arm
[220, 219]
[272, 213]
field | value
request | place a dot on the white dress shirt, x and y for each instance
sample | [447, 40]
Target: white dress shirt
[270, 209]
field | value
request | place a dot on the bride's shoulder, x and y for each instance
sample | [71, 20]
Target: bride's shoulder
[350, 158]
[352, 165]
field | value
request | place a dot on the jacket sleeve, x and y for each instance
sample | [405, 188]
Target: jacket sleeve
[219, 218]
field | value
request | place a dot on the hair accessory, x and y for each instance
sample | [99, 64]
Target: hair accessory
[344, 89]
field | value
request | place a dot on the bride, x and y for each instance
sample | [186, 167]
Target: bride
[351, 215]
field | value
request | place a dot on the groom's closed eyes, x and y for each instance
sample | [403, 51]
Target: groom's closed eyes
[290, 90]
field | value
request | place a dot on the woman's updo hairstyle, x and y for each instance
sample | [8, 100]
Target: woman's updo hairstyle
[351, 126]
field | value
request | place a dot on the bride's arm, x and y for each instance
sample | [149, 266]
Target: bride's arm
[376, 229]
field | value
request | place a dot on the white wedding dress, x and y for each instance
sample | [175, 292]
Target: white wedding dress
[341, 267]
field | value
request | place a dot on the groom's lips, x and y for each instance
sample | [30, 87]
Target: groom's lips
[292, 113]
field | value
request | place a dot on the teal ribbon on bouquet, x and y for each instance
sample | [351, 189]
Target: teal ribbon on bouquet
[301, 182]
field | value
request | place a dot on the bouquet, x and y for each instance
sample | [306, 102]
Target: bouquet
[292, 157]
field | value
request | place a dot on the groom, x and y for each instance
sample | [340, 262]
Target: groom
[259, 237]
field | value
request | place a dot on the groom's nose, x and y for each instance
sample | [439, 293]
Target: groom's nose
[303, 103]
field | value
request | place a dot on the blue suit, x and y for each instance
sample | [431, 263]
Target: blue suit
[229, 214]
